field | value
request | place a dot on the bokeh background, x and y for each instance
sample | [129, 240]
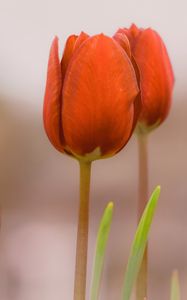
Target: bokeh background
[39, 186]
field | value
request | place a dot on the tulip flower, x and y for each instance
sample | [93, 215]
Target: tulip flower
[91, 97]
[156, 75]
[148, 53]
[91, 107]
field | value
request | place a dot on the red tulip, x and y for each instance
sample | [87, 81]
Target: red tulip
[156, 75]
[91, 97]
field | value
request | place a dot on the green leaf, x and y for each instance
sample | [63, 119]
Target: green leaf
[101, 242]
[139, 245]
[175, 287]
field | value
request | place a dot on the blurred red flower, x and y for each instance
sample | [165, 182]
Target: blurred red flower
[156, 75]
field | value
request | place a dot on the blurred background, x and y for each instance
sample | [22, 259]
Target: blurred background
[39, 186]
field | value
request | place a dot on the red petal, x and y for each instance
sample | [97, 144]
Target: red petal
[68, 52]
[122, 37]
[81, 39]
[72, 44]
[134, 31]
[156, 76]
[99, 93]
[52, 99]
[123, 41]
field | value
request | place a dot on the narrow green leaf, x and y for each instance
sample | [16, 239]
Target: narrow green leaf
[139, 244]
[102, 237]
[175, 287]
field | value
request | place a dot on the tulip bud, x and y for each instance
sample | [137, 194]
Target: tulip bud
[87, 95]
[156, 75]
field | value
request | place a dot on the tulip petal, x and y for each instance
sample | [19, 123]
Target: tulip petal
[52, 99]
[123, 41]
[98, 97]
[156, 76]
[125, 38]
[132, 33]
[68, 52]
[81, 39]
[72, 44]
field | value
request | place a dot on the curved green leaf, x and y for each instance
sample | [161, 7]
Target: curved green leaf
[139, 244]
[101, 242]
[175, 287]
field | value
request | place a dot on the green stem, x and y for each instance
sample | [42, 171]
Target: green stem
[141, 283]
[82, 233]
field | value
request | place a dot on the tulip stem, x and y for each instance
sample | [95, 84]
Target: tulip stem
[82, 233]
[141, 283]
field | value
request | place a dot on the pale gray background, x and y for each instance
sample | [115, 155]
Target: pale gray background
[39, 186]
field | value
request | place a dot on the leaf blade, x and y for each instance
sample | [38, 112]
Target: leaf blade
[102, 238]
[175, 286]
[139, 244]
